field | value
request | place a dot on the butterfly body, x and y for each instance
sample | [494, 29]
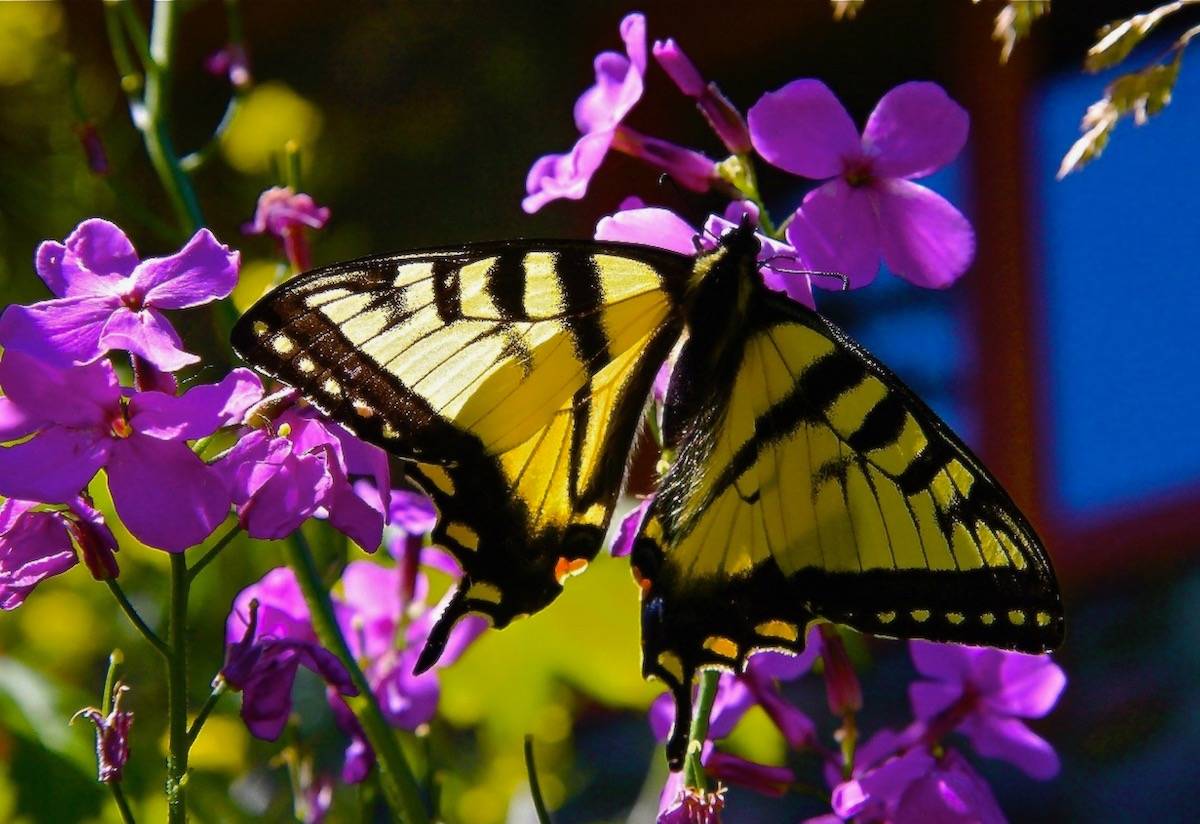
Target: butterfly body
[808, 481]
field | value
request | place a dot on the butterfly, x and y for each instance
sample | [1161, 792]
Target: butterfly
[809, 483]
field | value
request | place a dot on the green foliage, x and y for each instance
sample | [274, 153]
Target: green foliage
[1118, 39]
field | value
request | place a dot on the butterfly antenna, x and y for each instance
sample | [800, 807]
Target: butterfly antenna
[665, 181]
[812, 273]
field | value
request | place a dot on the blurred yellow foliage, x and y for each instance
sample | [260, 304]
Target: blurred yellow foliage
[257, 276]
[756, 738]
[60, 625]
[270, 116]
[221, 745]
[23, 28]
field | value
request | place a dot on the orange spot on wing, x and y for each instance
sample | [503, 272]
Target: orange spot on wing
[566, 567]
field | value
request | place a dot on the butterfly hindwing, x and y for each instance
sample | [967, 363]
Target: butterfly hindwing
[817, 485]
[512, 376]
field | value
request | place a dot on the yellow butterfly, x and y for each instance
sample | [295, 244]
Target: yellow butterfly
[810, 482]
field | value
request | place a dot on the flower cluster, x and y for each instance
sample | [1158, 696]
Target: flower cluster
[65, 415]
[385, 615]
[903, 775]
[866, 209]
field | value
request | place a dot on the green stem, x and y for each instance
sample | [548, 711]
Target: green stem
[208, 557]
[693, 770]
[154, 126]
[177, 704]
[210, 704]
[115, 659]
[535, 789]
[122, 804]
[396, 776]
[136, 619]
[131, 77]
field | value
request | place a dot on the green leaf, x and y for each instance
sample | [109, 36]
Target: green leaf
[1141, 94]
[1014, 22]
[1118, 39]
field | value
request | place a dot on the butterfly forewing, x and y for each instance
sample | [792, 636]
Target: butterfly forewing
[513, 376]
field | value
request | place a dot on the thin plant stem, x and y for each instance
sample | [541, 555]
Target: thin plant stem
[535, 789]
[122, 803]
[210, 704]
[115, 659]
[216, 549]
[693, 770]
[177, 703]
[131, 77]
[157, 100]
[136, 619]
[395, 775]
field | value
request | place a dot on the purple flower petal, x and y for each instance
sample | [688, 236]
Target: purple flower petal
[1030, 685]
[79, 397]
[283, 497]
[202, 271]
[649, 226]
[53, 466]
[770, 781]
[914, 130]
[166, 496]
[945, 662]
[407, 700]
[371, 594]
[350, 514]
[1010, 740]
[147, 333]
[931, 698]
[96, 256]
[565, 175]
[679, 67]
[803, 128]
[199, 412]
[33, 546]
[844, 218]
[410, 511]
[953, 793]
[631, 525]
[61, 331]
[924, 239]
[15, 423]
[282, 611]
[619, 82]
[886, 783]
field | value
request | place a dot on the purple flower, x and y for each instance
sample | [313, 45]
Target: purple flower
[679, 804]
[106, 299]
[984, 693]
[37, 544]
[870, 207]
[112, 736]
[82, 421]
[287, 215]
[371, 612]
[758, 685]
[599, 113]
[230, 61]
[651, 226]
[268, 637]
[725, 120]
[914, 786]
[630, 526]
[278, 481]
